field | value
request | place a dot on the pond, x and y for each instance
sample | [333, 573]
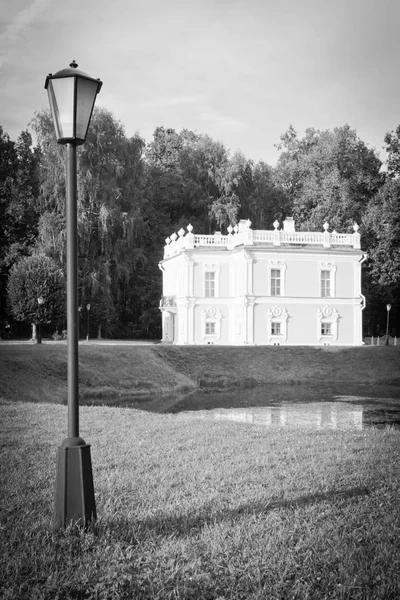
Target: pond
[319, 406]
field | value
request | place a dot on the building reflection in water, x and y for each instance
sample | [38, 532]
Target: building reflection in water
[315, 415]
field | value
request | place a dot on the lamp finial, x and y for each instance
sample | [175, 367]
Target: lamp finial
[73, 65]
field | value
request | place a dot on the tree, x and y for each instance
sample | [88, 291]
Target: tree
[225, 209]
[110, 215]
[381, 224]
[263, 201]
[8, 165]
[392, 141]
[192, 178]
[327, 176]
[19, 211]
[381, 237]
[36, 290]
[234, 182]
[110, 219]
[215, 176]
[381, 234]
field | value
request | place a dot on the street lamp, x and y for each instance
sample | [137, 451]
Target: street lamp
[72, 94]
[79, 320]
[388, 307]
[39, 332]
[88, 322]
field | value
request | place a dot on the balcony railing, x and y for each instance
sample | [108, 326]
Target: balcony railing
[168, 301]
[244, 235]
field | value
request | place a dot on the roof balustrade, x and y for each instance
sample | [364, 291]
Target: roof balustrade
[243, 235]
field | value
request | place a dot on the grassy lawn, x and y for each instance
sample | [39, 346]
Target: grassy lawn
[196, 509]
[191, 508]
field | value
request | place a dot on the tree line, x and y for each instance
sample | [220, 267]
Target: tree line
[132, 195]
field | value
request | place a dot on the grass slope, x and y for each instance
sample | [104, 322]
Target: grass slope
[193, 509]
[232, 366]
[39, 372]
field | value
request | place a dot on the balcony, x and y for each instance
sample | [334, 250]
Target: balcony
[168, 301]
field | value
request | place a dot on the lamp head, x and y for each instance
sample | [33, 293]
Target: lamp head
[72, 94]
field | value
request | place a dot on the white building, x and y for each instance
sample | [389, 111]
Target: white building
[263, 287]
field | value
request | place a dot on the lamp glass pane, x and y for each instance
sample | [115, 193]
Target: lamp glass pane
[61, 98]
[85, 98]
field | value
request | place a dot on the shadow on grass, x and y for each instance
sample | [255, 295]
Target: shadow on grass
[133, 531]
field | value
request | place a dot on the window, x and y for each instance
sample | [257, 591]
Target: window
[327, 279]
[209, 284]
[326, 284]
[326, 328]
[276, 278]
[277, 324]
[211, 324]
[327, 324]
[211, 273]
[275, 282]
[210, 327]
[275, 328]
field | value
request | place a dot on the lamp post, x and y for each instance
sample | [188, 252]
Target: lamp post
[388, 307]
[88, 322]
[39, 332]
[72, 94]
[79, 320]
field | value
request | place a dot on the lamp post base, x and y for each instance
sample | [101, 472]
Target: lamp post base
[75, 502]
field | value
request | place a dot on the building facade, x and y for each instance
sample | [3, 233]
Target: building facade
[262, 287]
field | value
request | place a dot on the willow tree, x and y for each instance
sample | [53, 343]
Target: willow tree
[110, 224]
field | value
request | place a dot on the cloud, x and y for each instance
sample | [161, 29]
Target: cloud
[19, 23]
[210, 115]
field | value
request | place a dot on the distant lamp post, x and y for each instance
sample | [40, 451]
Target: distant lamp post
[40, 301]
[88, 321]
[72, 94]
[388, 308]
[79, 320]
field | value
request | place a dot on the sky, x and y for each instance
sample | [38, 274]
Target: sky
[240, 71]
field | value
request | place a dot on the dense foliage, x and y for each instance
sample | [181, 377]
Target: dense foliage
[132, 195]
[36, 290]
[328, 176]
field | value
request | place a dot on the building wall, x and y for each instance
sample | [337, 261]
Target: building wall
[243, 308]
[302, 275]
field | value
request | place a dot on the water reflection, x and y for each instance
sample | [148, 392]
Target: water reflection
[342, 405]
[314, 415]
